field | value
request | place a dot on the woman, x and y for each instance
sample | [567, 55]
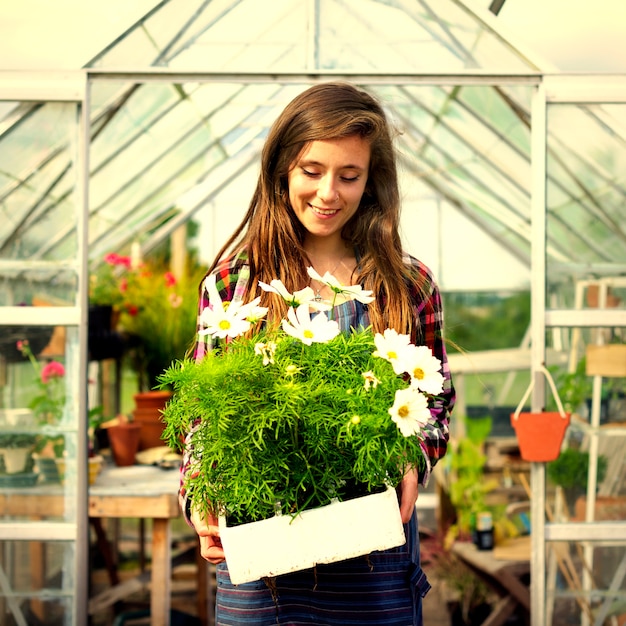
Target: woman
[327, 197]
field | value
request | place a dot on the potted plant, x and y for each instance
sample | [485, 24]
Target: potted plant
[123, 434]
[158, 313]
[570, 472]
[296, 422]
[468, 599]
[466, 485]
[47, 406]
[16, 449]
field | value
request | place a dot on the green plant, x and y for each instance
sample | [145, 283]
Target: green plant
[574, 387]
[467, 487]
[159, 311]
[466, 592]
[106, 283]
[17, 440]
[570, 470]
[48, 404]
[293, 417]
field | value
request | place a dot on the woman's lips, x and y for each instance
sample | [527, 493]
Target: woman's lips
[323, 212]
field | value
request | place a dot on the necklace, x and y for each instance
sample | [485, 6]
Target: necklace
[318, 295]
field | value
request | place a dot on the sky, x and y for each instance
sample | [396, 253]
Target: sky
[573, 35]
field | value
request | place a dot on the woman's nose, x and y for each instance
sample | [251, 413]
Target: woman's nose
[327, 190]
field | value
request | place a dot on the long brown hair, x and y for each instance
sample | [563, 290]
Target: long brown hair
[272, 235]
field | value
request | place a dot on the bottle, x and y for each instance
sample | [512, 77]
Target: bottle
[484, 531]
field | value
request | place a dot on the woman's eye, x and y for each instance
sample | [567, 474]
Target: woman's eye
[350, 179]
[309, 173]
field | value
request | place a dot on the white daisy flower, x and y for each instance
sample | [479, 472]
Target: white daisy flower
[266, 350]
[351, 292]
[227, 319]
[370, 380]
[318, 329]
[392, 347]
[295, 299]
[410, 411]
[424, 369]
[222, 323]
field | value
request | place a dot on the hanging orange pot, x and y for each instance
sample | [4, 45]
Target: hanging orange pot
[540, 435]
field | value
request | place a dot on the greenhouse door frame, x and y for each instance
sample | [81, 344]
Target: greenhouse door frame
[579, 90]
[67, 87]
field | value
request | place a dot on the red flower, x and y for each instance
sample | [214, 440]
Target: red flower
[170, 279]
[51, 370]
[117, 259]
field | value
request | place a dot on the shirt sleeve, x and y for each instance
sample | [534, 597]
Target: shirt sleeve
[227, 280]
[429, 310]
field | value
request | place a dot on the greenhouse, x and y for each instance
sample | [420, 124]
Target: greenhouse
[513, 181]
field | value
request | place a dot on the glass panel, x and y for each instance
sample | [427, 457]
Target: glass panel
[39, 422]
[38, 148]
[38, 581]
[573, 596]
[585, 202]
[37, 182]
[40, 364]
[290, 35]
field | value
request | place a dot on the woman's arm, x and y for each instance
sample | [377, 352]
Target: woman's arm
[228, 283]
[430, 312]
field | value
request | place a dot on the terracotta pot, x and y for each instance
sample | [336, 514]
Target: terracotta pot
[540, 435]
[151, 399]
[149, 405]
[124, 442]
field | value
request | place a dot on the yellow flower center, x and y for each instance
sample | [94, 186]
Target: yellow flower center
[308, 334]
[355, 419]
[392, 355]
[403, 411]
[224, 324]
[418, 373]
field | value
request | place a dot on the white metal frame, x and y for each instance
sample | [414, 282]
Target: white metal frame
[558, 89]
[69, 87]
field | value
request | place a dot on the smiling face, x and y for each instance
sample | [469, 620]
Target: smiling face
[326, 183]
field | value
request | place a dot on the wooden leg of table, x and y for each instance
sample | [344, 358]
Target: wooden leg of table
[38, 575]
[160, 592]
[501, 612]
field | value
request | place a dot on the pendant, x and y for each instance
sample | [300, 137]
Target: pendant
[318, 296]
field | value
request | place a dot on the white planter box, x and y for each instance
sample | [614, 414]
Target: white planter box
[335, 532]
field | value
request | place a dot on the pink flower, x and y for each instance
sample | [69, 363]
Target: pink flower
[116, 259]
[51, 370]
[22, 345]
[175, 300]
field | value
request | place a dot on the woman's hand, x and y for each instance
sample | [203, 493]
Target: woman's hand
[209, 534]
[408, 495]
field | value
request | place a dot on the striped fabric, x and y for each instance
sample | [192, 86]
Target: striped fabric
[384, 588]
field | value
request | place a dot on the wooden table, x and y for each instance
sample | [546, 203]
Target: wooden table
[504, 576]
[142, 492]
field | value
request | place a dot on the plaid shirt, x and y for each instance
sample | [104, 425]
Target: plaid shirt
[231, 278]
